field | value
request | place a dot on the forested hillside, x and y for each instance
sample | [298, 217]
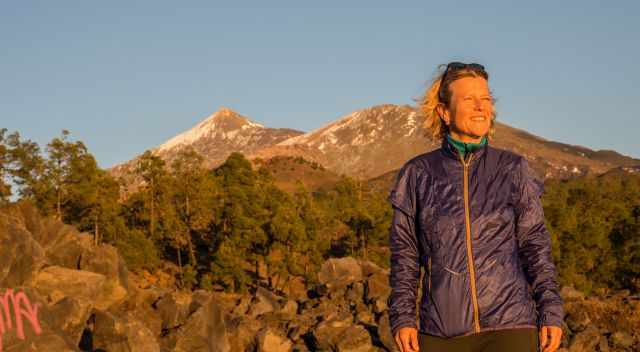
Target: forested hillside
[228, 227]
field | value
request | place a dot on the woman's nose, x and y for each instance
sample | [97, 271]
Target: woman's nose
[477, 104]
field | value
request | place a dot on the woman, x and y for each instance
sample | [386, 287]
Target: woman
[471, 214]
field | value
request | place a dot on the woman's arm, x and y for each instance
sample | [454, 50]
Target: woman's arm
[405, 254]
[535, 248]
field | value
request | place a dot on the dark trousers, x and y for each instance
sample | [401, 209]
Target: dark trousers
[508, 340]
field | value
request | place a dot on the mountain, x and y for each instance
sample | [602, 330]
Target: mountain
[223, 132]
[372, 142]
[377, 140]
[363, 144]
[216, 137]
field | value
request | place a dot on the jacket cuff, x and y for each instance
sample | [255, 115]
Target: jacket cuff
[405, 323]
[552, 316]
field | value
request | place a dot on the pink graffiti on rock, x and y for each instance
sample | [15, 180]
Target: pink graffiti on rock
[22, 309]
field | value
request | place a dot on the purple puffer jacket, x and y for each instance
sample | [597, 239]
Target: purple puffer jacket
[477, 226]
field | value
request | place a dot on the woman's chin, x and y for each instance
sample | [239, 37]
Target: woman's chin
[480, 132]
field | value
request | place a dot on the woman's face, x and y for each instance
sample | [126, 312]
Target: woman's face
[470, 110]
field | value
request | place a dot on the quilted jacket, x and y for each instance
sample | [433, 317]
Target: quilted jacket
[477, 227]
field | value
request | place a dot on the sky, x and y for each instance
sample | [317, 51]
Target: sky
[125, 76]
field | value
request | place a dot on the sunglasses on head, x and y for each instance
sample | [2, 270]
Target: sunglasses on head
[456, 66]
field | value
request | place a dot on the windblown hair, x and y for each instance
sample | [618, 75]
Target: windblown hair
[428, 103]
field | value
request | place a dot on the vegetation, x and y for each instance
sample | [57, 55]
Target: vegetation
[595, 228]
[231, 227]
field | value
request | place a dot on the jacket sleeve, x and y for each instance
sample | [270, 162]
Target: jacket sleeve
[534, 246]
[405, 256]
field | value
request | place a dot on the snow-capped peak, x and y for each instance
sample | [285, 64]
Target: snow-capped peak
[224, 120]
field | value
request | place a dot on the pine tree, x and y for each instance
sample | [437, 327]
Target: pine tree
[238, 228]
[151, 169]
[194, 198]
[58, 167]
[26, 168]
[309, 252]
[101, 213]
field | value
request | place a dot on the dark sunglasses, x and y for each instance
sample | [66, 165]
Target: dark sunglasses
[456, 66]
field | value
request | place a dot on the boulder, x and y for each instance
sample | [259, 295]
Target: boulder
[243, 331]
[378, 291]
[339, 272]
[30, 325]
[46, 341]
[356, 339]
[271, 340]
[330, 331]
[204, 330]
[140, 303]
[242, 306]
[577, 317]
[355, 292]
[325, 308]
[370, 268]
[289, 309]
[296, 288]
[71, 315]
[63, 245]
[621, 339]
[60, 242]
[20, 255]
[384, 333]
[105, 259]
[265, 301]
[341, 334]
[569, 293]
[122, 334]
[585, 341]
[173, 309]
[57, 282]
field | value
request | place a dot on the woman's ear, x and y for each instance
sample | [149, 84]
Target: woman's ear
[443, 112]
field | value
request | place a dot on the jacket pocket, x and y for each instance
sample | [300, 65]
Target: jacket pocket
[452, 271]
[448, 300]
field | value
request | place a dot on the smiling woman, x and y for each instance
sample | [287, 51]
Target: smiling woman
[459, 210]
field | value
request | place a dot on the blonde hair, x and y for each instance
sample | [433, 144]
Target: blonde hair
[432, 98]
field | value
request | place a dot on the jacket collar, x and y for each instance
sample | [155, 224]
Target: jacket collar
[451, 151]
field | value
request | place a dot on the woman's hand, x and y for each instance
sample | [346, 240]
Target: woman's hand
[550, 337]
[407, 339]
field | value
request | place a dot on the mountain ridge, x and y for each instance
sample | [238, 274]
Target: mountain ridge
[370, 142]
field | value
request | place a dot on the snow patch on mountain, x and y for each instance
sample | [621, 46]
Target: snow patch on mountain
[411, 123]
[209, 127]
[326, 131]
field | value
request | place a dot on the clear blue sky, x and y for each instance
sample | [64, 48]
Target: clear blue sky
[124, 76]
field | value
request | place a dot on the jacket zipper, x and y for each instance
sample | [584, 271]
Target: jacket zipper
[467, 216]
[429, 275]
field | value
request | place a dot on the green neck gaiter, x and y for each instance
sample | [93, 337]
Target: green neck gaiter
[463, 147]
